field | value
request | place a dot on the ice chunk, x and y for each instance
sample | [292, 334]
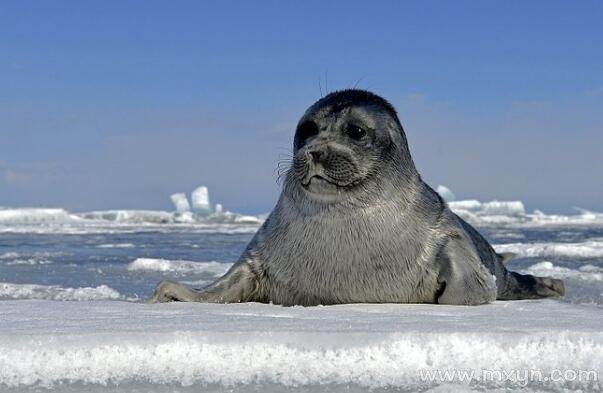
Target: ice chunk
[56, 292]
[180, 202]
[165, 265]
[219, 208]
[445, 193]
[200, 200]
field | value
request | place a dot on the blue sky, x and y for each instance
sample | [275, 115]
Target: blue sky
[119, 104]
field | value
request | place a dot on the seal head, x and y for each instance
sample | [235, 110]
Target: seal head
[347, 144]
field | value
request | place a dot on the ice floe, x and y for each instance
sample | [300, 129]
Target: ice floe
[390, 346]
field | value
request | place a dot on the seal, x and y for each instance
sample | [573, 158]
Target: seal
[355, 223]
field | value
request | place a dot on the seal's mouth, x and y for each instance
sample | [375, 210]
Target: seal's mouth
[318, 184]
[317, 179]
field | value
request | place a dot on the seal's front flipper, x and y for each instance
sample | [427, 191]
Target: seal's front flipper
[169, 291]
[526, 286]
[239, 284]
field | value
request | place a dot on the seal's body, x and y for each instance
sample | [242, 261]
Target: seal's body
[355, 223]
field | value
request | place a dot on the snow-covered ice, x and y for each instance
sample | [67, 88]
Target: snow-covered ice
[374, 346]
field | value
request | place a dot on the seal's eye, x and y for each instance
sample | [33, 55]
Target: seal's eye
[306, 130]
[355, 132]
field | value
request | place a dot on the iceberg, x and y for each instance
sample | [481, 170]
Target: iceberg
[200, 200]
[180, 203]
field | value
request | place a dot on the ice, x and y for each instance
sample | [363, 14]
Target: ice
[164, 265]
[34, 216]
[56, 344]
[130, 216]
[116, 245]
[56, 292]
[204, 219]
[584, 272]
[200, 199]
[180, 202]
[584, 217]
[445, 193]
[490, 213]
[587, 249]
[497, 213]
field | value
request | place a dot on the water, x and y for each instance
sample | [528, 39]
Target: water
[114, 259]
[75, 261]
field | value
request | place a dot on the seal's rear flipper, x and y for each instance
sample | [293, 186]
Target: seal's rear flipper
[526, 286]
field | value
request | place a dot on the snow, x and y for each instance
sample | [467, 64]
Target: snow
[163, 265]
[180, 202]
[46, 344]
[200, 199]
